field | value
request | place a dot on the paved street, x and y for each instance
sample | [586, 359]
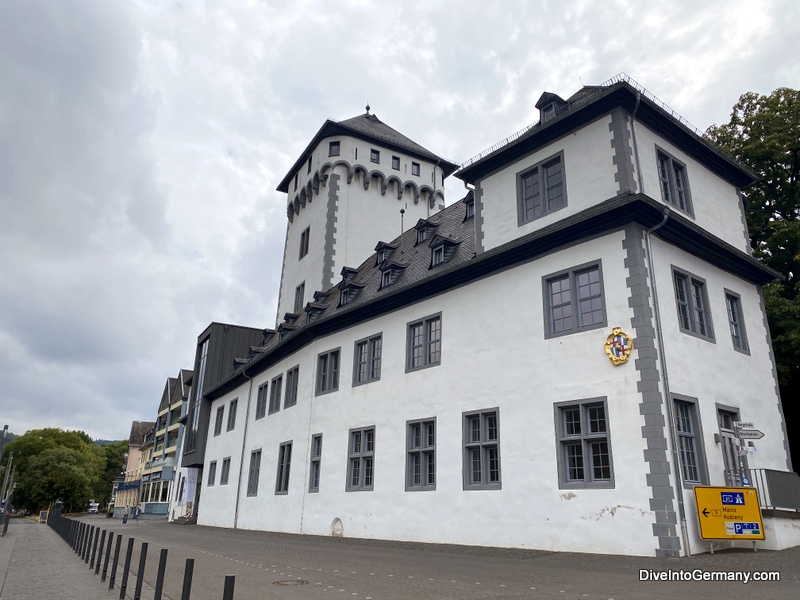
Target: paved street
[280, 566]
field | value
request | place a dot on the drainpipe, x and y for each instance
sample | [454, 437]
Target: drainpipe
[244, 445]
[676, 463]
[636, 148]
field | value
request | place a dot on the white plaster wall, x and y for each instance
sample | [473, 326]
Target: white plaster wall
[715, 202]
[491, 357]
[713, 372]
[588, 180]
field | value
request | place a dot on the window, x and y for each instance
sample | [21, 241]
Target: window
[333, 149]
[344, 297]
[361, 459]
[328, 372]
[296, 175]
[308, 170]
[421, 449]
[226, 471]
[261, 401]
[386, 278]
[470, 210]
[421, 235]
[255, 470]
[424, 343]
[584, 451]
[367, 361]
[690, 445]
[316, 463]
[304, 241]
[673, 182]
[542, 190]
[212, 472]
[482, 450]
[437, 255]
[232, 414]
[275, 394]
[292, 377]
[374, 156]
[299, 296]
[218, 422]
[574, 300]
[691, 300]
[415, 168]
[396, 163]
[284, 463]
[734, 305]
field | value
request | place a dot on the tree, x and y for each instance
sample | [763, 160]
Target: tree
[77, 455]
[764, 134]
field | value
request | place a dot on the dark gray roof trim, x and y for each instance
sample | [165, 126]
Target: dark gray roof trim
[369, 128]
[421, 283]
[596, 102]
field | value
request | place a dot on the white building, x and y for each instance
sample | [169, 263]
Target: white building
[457, 386]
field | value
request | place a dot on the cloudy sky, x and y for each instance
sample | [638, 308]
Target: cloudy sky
[141, 143]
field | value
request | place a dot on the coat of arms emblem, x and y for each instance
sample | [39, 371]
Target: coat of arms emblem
[618, 346]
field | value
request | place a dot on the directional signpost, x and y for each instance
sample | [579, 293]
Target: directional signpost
[745, 430]
[728, 513]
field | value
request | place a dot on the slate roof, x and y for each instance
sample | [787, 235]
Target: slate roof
[414, 258]
[139, 429]
[367, 127]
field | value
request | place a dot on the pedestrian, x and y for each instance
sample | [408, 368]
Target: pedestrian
[137, 512]
[125, 516]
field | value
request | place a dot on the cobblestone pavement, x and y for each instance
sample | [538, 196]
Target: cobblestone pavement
[281, 566]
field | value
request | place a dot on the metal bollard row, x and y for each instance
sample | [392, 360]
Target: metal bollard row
[93, 547]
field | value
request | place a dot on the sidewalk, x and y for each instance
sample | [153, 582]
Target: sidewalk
[36, 564]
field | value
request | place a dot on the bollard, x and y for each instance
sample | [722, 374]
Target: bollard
[100, 552]
[94, 546]
[115, 563]
[137, 593]
[162, 567]
[187, 579]
[81, 532]
[227, 592]
[126, 571]
[88, 545]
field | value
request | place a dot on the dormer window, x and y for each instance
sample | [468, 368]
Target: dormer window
[383, 252]
[344, 297]
[425, 229]
[421, 234]
[442, 249]
[386, 279]
[470, 210]
[348, 289]
[547, 113]
[390, 272]
[437, 255]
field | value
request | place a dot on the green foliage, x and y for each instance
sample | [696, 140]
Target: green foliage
[764, 134]
[52, 463]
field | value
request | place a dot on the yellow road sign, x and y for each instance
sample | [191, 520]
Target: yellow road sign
[728, 513]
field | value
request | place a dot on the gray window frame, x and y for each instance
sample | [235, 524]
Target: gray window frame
[218, 420]
[735, 300]
[315, 463]
[585, 439]
[360, 457]
[334, 145]
[415, 169]
[305, 237]
[299, 295]
[374, 156]
[232, 408]
[262, 400]
[372, 372]
[330, 382]
[284, 468]
[427, 361]
[696, 435]
[396, 163]
[572, 275]
[423, 454]
[292, 383]
[670, 195]
[275, 394]
[225, 472]
[254, 472]
[483, 445]
[212, 473]
[539, 170]
[692, 281]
